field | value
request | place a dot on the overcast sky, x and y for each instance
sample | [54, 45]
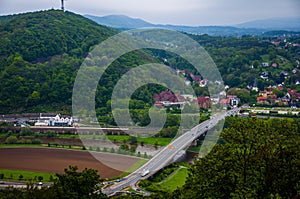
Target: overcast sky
[181, 12]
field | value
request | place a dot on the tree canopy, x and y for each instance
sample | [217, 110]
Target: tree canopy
[70, 185]
[41, 52]
[259, 159]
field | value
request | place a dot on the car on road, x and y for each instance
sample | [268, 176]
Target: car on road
[145, 172]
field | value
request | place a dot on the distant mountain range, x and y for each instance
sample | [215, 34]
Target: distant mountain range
[288, 24]
[249, 28]
[120, 21]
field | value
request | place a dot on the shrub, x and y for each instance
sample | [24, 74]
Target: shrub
[25, 131]
[50, 134]
[40, 178]
[11, 140]
[145, 155]
[36, 141]
[133, 140]
[52, 144]
[21, 141]
[132, 149]
[124, 147]
[112, 150]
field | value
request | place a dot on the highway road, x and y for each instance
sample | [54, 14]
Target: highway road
[166, 155]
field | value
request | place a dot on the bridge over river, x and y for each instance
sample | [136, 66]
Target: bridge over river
[167, 154]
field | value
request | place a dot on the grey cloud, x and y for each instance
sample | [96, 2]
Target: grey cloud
[185, 12]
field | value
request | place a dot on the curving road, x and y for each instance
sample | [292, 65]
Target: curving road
[166, 155]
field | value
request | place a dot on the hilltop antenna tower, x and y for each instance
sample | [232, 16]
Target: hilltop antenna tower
[62, 5]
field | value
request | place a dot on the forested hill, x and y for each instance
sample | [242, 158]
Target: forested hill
[46, 33]
[40, 53]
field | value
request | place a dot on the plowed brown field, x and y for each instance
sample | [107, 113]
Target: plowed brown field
[55, 160]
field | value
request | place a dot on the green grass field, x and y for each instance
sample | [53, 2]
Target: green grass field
[147, 140]
[121, 138]
[175, 180]
[22, 145]
[67, 136]
[17, 175]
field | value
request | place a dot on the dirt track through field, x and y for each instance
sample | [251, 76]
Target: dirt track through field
[55, 160]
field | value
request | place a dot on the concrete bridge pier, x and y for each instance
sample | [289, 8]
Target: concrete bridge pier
[180, 156]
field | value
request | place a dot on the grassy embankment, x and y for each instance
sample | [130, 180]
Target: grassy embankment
[167, 179]
[175, 180]
[26, 176]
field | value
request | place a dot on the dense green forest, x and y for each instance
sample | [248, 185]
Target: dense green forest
[41, 52]
[254, 158]
[258, 159]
